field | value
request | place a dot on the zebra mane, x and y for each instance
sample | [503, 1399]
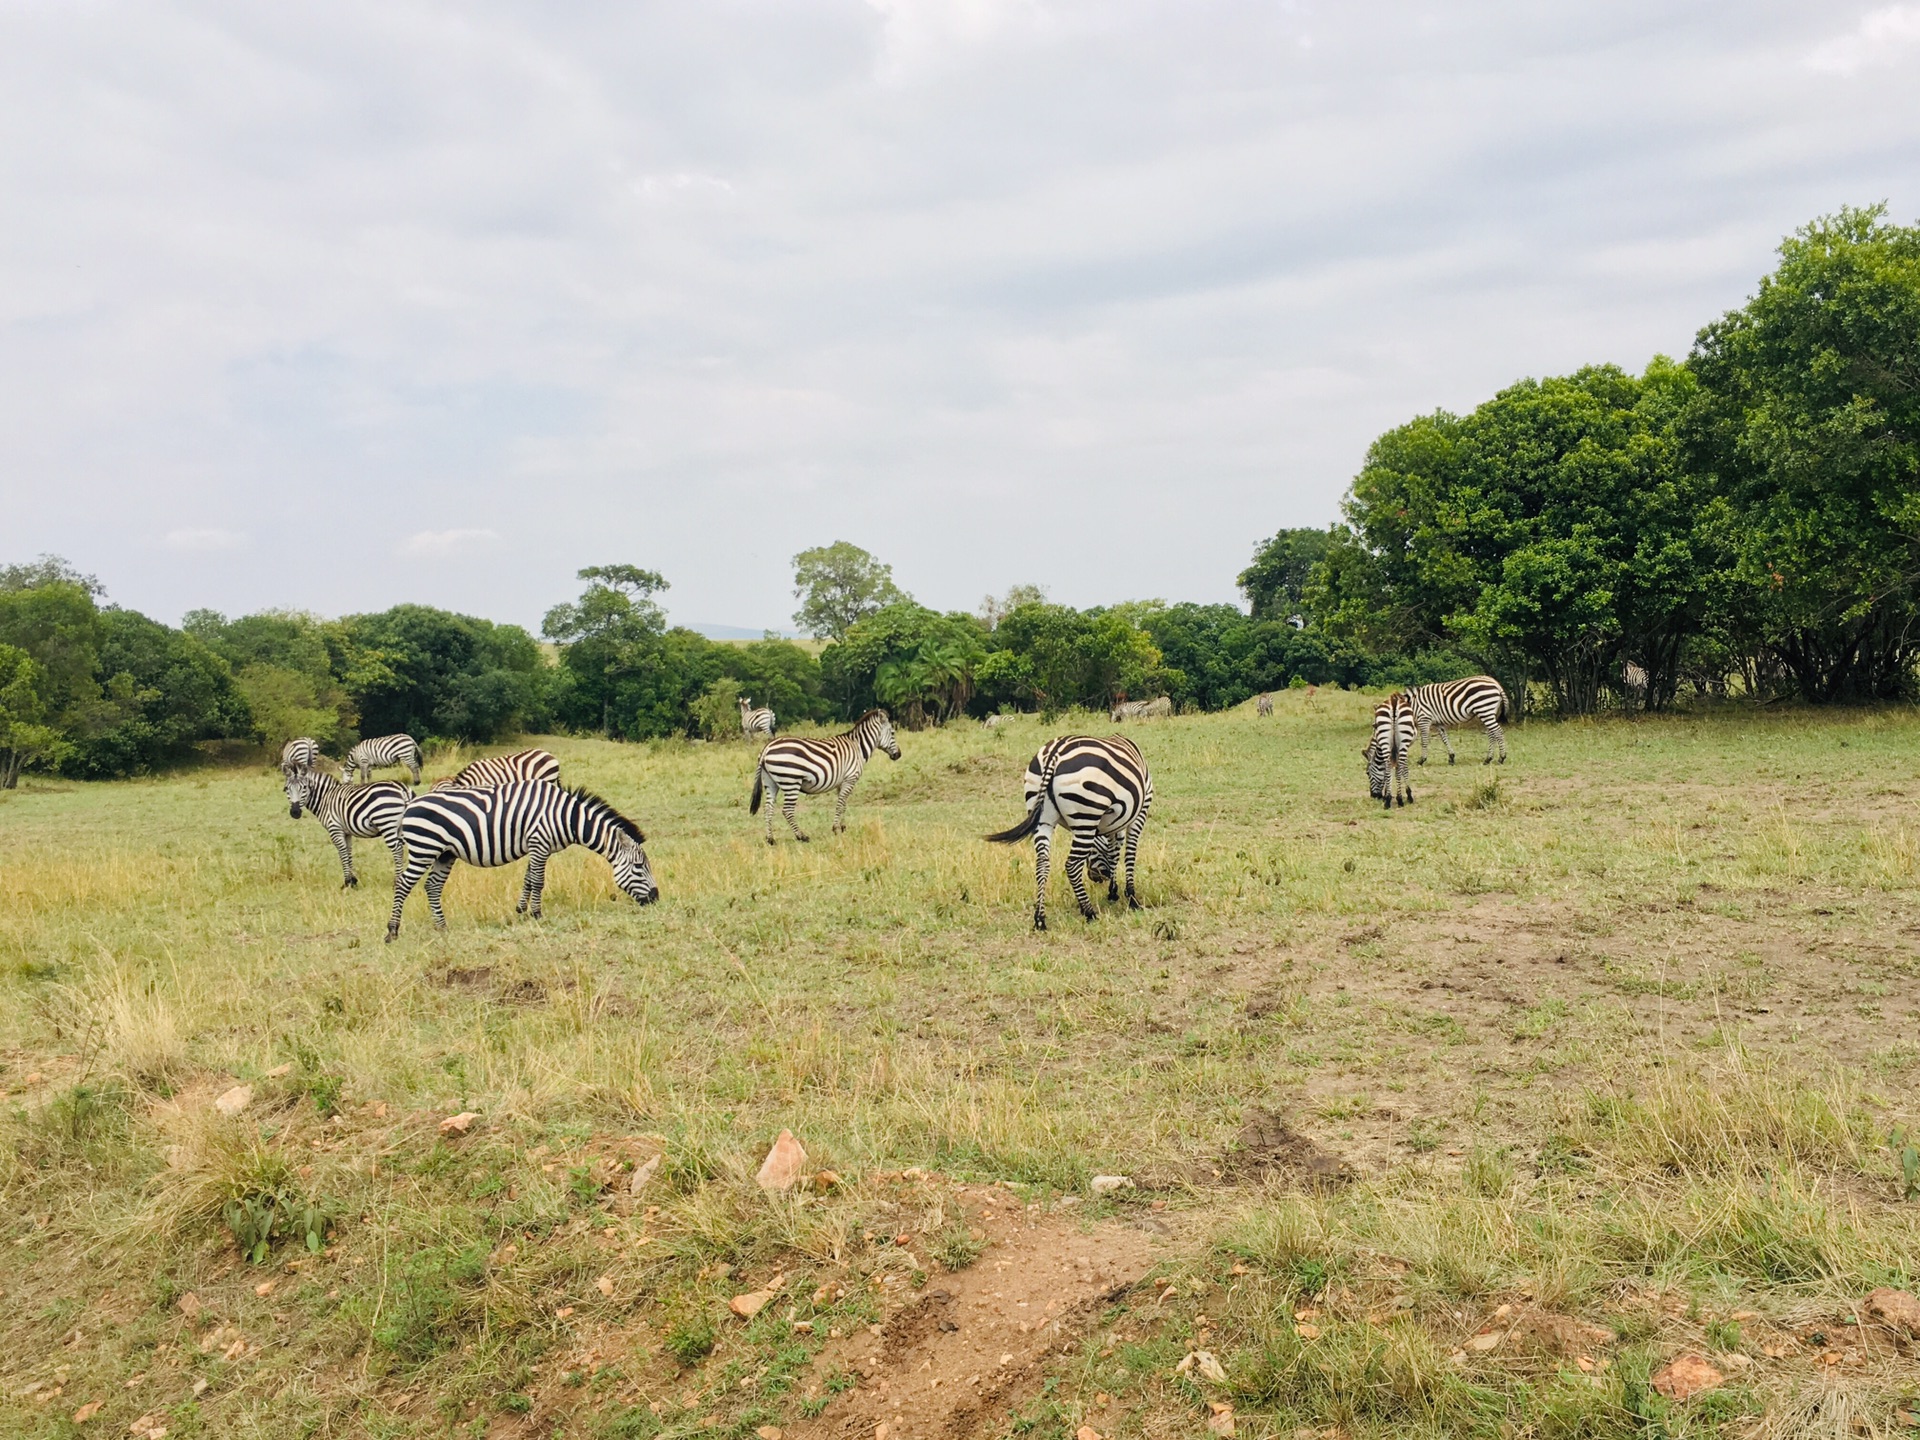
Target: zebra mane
[877, 710]
[605, 806]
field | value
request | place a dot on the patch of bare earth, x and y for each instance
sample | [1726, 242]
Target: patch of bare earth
[967, 1350]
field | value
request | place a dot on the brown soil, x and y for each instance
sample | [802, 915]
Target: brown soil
[1269, 1148]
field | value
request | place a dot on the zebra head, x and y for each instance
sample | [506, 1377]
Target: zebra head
[880, 727]
[299, 785]
[630, 870]
[1104, 863]
[746, 705]
[1376, 757]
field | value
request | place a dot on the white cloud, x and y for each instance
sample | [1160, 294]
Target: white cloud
[436, 543]
[1881, 38]
[191, 541]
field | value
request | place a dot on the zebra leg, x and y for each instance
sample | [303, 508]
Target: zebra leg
[840, 808]
[1077, 878]
[397, 847]
[414, 765]
[436, 882]
[788, 804]
[1495, 736]
[1042, 864]
[404, 879]
[1441, 730]
[344, 847]
[535, 882]
[1422, 726]
[1133, 856]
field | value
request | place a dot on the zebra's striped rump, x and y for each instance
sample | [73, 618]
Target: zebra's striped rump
[370, 811]
[794, 767]
[383, 753]
[755, 720]
[1476, 700]
[494, 770]
[1387, 751]
[1099, 791]
[534, 819]
[300, 754]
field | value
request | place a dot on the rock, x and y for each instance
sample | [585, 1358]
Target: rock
[826, 1180]
[643, 1175]
[265, 1288]
[604, 1285]
[1203, 1363]
[200, 1387]
[189, 1306]
[1109, 1184]
[1086, 1432]
[459, 1124]
[1896, 1309]
[1220, 1422]
[749, 1305]
[1481, 1344]
[87, 1411]
[768, 1432]
[148, 1427]
[232, 1102]
[1686, 1377]
[280, 1070]
[1306, 1330]
[785, 1165]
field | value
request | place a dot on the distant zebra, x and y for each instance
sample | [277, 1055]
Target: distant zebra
[379, 754]
[794, 767]
[1142, 709]
[1635, 679]
[1099, 791]
[1263, 705]
[497, 770]
[300, 754]
[994, 722]
[1386, 752]
[1476, 700]
[370, 811]
[499, 826]
[755, 721]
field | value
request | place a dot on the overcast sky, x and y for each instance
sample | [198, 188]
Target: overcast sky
[331, 306]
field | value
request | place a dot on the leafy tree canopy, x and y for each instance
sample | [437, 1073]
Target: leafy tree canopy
[839, 585]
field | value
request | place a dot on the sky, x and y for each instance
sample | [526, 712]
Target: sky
[334, 306]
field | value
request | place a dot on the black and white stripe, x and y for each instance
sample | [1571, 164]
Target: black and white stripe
[1099, 791]
[498, 826]
[755, 720]
[1476, 700]
[531, 766]
[382, 753]
[370, 811]
[1386, 752]
[300, 754]
[794, 767]
[1155, 709]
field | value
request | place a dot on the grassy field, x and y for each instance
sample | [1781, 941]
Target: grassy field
[1460, 1120]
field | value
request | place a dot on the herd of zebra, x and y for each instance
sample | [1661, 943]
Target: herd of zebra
[513, 807]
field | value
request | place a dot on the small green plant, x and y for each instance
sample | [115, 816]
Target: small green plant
[691, 1341]
[1906, 1154]
[955, 1247]
[1488, 1172]
[257, 1218]
[1723, 1334]
[1485, 796]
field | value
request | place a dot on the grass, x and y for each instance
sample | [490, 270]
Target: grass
[1618, 1032]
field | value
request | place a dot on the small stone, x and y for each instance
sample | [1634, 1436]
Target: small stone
[749, 1305]
[232, 1102]
[1205, 1364]
[189, 1306]
[880, 1431]
[279, 1070]
[1896, 1309]
[1686, 1377]
[459, 1124]
[1086, 1432]
[1307, 1331]
[785, 1165]
[1109, 1184]
[643, 1176]
[1221, 1421]
[199, 1388]
[563, 1312]
[1006, 1358]
[1481, 1344]
[768, 1432]
[826, 1180]
[604, 1285]
[87, 1411]
[265, 1288]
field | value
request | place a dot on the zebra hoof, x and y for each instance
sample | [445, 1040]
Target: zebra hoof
[392, 935]
[1452, 758]
[352, 882]
[1039, 922]
[1421, 761]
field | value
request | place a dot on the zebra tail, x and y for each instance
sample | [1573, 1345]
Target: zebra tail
[1025, 827]
[753, 805]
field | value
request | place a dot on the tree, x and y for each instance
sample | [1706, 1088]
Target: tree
[180, 692]
[837, 586]
[47, 570]
[927, 660]
[993, 611]
[25, 736]
[296, 672]
[57, 625]
[1275, 584]
[1808, 418]
[611, 633]
[1053, 657]
[445, 674]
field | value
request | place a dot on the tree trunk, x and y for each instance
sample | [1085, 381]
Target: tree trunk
[9, 769]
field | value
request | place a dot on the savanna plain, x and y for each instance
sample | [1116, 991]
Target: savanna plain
[1466, 1119]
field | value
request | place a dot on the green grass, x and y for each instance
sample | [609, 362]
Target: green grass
[1639, 1014]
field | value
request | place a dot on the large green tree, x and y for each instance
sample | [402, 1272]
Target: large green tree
[839, 585]
[180, 692]
[1275, 584]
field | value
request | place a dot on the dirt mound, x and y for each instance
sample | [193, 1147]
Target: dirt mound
[1269, 1147]
[972, 1345]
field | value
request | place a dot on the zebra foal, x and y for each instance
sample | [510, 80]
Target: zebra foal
[383, 753]
[531, 766]
[1386, 752]
[1156, 709]
[501, 825]
[1476, 700]
[794, 767]
[755, 720]
[1099, 792]
[370, 811]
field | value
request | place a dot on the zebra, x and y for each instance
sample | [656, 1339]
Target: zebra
[300, 754]
[1635, 680]
[994, 722]
[497, 770]
[371, 755]
[796, 767]
[1142, 709]
[1476, 700]
[1099, 791]
[1386, 752]
[1263, 705]
[755, 721]
[498, 826]
[370, 811]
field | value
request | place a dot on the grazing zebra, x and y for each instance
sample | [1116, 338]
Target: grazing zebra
[1635, 679]
[1263, 705]
[498, 826]
[371, 755]
[1386, 753]
[1099, 791]
[1476, 700]
[755, 721]
[497, 770]
[300, 754]
[370, 811]
[794, 767]
[994, 722]
[1142, 709]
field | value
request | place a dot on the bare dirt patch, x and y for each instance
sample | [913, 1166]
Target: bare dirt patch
[1268, 1147]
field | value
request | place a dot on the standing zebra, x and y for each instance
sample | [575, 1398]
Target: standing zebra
[1142, 709]
[755, 721]
[388, 750]
[794, 767]
[370, 811]
[1476, 700]
[1263, 706]
[1635, 680]
[300, 754]
[498, 826]
[1386, 753]
[1099, 791]
[496, 770]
